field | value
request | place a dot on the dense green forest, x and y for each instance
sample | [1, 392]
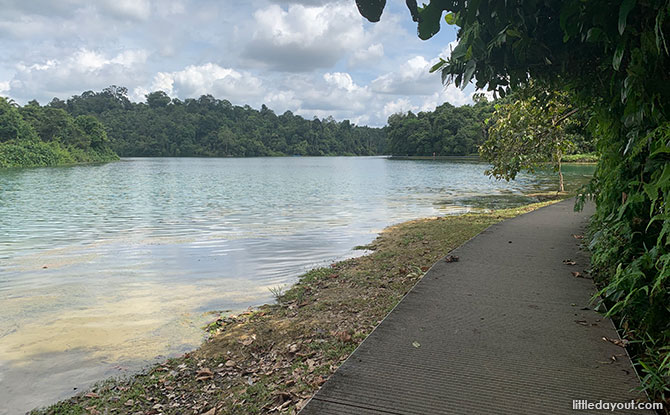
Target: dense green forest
[44, 136]
[209, 127]
[447, 131]
[460, 131]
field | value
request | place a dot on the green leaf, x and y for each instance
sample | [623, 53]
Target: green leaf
[450, 18]
[413, 9]
[625, 8]
[437, 65]
[594, 34]
[429, 21]
[469, 71]
[618, 55]
[371, 9]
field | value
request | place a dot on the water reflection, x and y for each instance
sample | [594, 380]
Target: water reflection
[102, 268]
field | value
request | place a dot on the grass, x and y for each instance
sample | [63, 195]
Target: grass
[581, 158]
[272, 359]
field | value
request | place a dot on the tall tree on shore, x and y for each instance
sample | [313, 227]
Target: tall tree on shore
[528, 130]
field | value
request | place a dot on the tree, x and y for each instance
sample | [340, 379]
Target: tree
[46, 136]
[93, 130]
[209, 127]
[527, 132]
[12, 125]
[446, 131]
[157, 99]
[226, 138]
[613, 57]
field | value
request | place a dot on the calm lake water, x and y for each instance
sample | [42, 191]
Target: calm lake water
[106, 268]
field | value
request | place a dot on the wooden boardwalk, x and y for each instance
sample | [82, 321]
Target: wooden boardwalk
[507, 329]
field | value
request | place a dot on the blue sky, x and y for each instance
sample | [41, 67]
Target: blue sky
[312, 57]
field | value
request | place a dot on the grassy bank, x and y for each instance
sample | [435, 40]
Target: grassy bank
[272, 359]
[581, 158]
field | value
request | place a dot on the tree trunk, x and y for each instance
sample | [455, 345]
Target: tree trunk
[560, 176]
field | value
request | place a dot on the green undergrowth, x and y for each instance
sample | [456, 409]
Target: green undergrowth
[37, 153]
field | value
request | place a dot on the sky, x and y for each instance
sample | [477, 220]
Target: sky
[312, 57]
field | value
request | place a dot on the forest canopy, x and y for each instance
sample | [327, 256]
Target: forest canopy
[447, 131]
[210, 127]
[42, 136]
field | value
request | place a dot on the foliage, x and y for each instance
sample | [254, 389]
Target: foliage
[527, 130]
[36, 136]
[209, 127]
[614, 57]
[446, 131]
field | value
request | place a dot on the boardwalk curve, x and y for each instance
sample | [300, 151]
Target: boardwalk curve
[505, 330]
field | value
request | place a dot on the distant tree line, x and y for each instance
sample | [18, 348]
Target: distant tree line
[447, 131]
[94, 125]
[209, 127]
[461, 131]
[44, 136]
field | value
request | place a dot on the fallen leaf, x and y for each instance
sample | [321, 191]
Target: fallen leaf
[231, 363]
[577, 236]
[343, 336]
[577, 274]
[210, 412]
[204, 374]
[92, 395]
[569, 262]
[248, 340]
[416, 344]
[310, 365]
[424, 269]
[620, 343]
[451, 258]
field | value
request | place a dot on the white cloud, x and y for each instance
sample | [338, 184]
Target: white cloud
[370, 55]
[302, 39]
[400, 105]
[4, 88]
[210, 78]
[83, 67]
[281, 100]
[411, 78]
[340, 80]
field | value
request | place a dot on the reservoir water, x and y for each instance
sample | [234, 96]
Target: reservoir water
[105, 268]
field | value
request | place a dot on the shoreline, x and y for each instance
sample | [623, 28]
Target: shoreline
[273, 358]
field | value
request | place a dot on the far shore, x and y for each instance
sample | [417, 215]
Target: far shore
[583, 158]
